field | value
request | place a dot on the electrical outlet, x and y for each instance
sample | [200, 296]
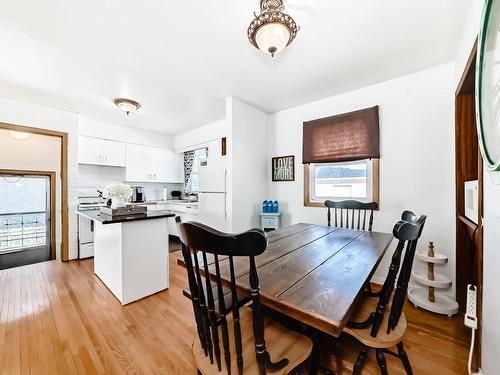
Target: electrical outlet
[470, 318]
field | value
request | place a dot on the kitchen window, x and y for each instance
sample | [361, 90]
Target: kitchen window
[341, 158]
[191, 169]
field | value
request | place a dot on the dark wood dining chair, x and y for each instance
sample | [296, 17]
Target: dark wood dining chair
[342, 219]
[351, 214]
[244, 331]
[373, 323]
[228, 303]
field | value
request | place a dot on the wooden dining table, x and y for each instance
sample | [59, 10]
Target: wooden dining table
[314, 274]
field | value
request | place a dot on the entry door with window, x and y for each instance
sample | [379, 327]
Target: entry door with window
[25, 217]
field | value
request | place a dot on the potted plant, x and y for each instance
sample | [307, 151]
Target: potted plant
[176, 194]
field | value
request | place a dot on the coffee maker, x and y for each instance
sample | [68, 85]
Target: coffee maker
[138, 194]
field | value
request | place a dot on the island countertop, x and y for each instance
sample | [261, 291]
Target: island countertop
[107, 219]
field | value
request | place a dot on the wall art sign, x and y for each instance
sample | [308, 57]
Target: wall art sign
[283, 168]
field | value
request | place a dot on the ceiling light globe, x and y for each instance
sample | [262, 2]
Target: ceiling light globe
[19, 135]
[272, 38]
[127, 105]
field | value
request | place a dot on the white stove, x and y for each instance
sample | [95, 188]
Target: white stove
[88, 199]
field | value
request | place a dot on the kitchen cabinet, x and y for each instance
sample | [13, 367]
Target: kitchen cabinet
[97, 151]
[186, 211]
[150, 164]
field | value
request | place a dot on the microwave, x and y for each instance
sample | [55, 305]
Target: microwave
[471, 200]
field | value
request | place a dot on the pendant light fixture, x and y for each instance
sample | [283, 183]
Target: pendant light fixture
[272, 30]
[127, 105]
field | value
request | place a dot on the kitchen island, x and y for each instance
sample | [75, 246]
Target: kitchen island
[131, 253]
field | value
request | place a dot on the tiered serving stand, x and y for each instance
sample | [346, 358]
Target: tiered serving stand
[425, 296]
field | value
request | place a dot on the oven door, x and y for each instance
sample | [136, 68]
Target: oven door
[85, 230]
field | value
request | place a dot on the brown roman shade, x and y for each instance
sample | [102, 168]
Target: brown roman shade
[346, 137]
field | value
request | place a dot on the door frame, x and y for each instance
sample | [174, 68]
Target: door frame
[468, 162]
[64, 178]
[53, 214]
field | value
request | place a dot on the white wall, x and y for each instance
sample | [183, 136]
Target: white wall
[202, 135]
[417, 154]
[37, 153]
[105, 130]
[491, 222]
[250, 164]
[245, 128]
[37, 116]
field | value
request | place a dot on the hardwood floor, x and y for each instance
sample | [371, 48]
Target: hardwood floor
[58, 318]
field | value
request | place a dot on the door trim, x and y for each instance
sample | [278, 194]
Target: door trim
[64, 178]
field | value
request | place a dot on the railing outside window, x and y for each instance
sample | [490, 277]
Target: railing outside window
[20, 231]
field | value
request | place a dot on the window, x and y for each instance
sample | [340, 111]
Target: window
[191, 169]
[341, 181]
[341, 157]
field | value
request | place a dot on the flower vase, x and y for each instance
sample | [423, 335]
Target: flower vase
[117, 202]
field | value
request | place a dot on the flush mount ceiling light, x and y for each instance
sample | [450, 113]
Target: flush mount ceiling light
[127, 105]
[272, 30]
[19, 135]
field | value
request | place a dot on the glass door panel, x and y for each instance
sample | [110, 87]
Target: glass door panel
[24, 220]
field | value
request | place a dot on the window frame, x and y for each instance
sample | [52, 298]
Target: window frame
[308, 190]
[199, 158]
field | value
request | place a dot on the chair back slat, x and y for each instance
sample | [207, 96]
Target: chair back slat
[407, 233]
[193, 288]
[258, 322]
[236, 319]
[222, 314]
[198, 241]
[346, 212]
[212, 317]
[203, 309]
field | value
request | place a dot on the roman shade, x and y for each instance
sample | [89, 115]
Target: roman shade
[346, 137]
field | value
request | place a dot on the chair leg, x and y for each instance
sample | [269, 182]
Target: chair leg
[360, 361]
[315, 354]
[381, 362]
[404, 358]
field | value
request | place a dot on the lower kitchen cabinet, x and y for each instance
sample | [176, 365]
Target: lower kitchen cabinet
[186, 211]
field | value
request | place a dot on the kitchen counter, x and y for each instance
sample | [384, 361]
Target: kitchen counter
[131, 252]
[106, 219]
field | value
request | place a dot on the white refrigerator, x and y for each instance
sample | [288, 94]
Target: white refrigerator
[212, 202]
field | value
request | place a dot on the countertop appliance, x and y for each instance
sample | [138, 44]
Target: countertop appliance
[138, 194]
[88, 199]
[212, 193]
[471, 200]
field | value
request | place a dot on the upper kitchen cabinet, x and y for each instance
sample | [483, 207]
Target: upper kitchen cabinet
[101, 152]
[150, 164]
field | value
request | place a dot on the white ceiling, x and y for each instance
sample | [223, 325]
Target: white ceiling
[180, 59]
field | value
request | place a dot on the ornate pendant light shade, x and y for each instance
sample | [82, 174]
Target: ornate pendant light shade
[272, 30]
